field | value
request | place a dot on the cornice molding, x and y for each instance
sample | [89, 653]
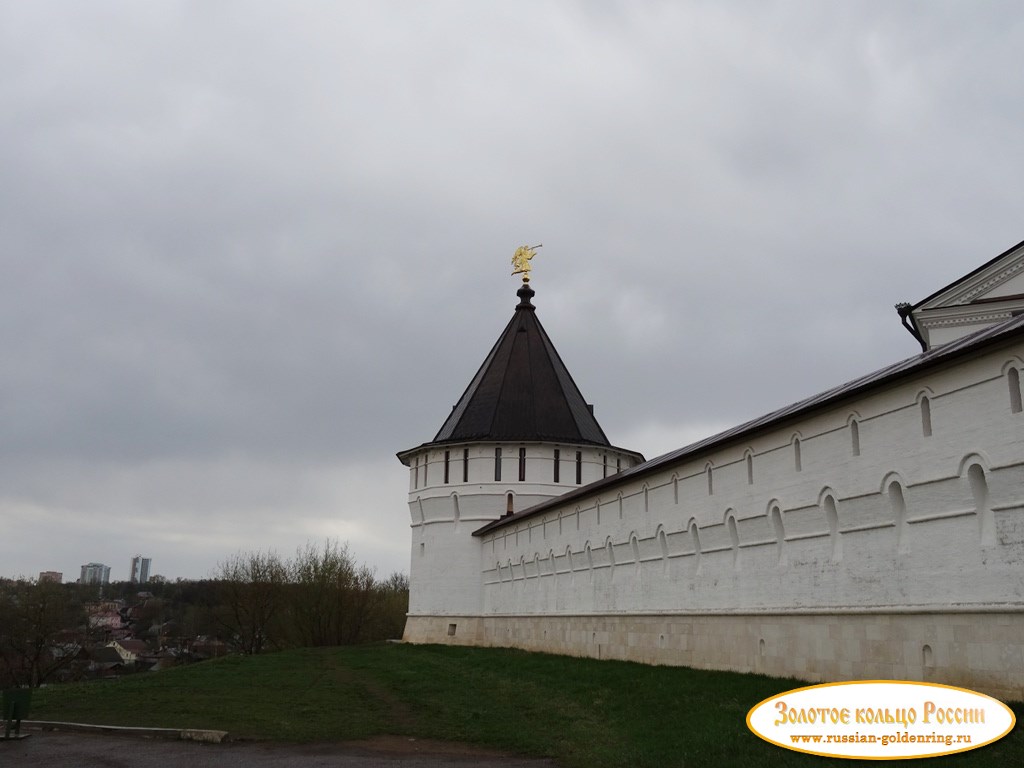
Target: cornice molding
[1000, 277]
[969, 288]
[952, 319]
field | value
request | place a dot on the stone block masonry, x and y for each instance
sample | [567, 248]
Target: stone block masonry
[978, 650]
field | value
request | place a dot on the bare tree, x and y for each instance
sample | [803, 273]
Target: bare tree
[392, 607]
[321, 597]
[40, 625]
[358, 600]
[331, 595]
[252, 594]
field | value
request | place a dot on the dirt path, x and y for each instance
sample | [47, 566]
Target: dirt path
[50, 749]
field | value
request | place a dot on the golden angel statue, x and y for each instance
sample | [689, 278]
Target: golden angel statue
[521, 260]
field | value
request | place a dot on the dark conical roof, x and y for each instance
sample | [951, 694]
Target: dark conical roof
[523, 391]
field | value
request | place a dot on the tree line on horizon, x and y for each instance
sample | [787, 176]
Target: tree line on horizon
[254, 602]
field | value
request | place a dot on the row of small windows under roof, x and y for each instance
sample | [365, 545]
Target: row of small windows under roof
[556, 467]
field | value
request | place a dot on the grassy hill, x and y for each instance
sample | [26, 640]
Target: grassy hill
[580, 711]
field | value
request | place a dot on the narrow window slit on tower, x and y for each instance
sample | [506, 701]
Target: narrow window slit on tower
[579, 467]
[446, 458]
[522, 464]
[465, 465]
[556, 466]
[497, 464]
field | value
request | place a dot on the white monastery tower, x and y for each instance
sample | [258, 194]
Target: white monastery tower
[521, 434]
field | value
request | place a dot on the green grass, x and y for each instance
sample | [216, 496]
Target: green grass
[581, 712]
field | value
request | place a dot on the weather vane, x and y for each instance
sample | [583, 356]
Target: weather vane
[521, 260]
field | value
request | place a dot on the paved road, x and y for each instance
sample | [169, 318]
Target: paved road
[51, 749]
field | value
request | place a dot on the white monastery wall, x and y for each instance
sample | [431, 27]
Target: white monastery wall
[881, 538]
[795, 518]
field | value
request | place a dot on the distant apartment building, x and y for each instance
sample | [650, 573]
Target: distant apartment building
[95, 573]
[140, 569]
[55, 576]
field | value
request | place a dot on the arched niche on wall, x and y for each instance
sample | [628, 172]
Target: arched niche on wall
[694, 530]
[1013, 385]
[779, 528]
[853, 424]
[1011, 371]
[734, 536]
[975, 468]
[830, 511]
[662, 539]
[634, 549]
[894, 488]
[924, 403]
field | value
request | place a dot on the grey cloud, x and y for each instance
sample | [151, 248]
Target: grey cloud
[247, 248]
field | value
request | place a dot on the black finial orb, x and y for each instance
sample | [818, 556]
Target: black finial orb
[525, 293]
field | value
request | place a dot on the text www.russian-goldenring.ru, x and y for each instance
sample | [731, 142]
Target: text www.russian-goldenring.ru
[885, 739]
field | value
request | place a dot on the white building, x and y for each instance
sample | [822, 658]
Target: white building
[873, 531]
[140, 569]
[95, 573]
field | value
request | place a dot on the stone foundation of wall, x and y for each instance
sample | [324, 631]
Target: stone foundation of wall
[983, 651]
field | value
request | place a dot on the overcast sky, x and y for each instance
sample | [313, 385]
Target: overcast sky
[250, 250]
